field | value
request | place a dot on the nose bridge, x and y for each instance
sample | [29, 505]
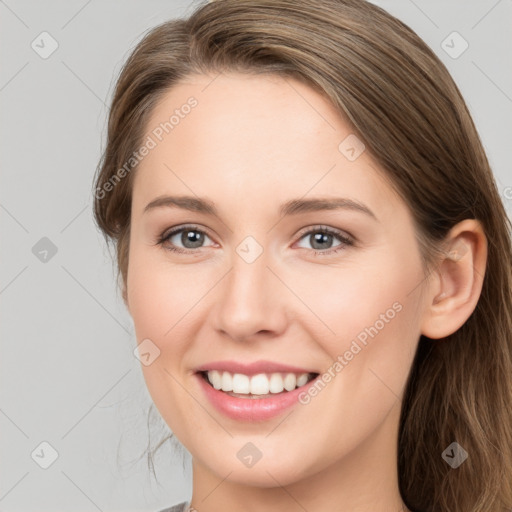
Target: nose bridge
[249, 302]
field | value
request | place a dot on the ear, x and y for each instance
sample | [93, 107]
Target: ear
[457, 283]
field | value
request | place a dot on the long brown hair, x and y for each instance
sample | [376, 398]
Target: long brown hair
[403, 104]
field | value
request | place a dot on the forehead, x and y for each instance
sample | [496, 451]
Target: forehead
[236, 134]
[254, 114]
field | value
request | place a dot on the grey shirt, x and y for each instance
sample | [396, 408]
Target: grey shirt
[180, 507]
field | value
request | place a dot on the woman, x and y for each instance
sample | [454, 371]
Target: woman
[372, 374]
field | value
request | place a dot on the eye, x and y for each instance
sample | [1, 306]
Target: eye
[190, 236]
[321, 239]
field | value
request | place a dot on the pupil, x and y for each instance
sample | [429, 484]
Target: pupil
[193, 237]
[321, 237]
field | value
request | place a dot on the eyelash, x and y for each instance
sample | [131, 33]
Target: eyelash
[345, 241]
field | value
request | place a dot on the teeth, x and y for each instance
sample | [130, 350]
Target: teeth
[290, 382]
[241, 384]
[226, 382]
[276, 384]
[260, 384]
[302, 379]
[215, 379]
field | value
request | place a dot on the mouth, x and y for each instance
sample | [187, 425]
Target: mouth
[256, 391]
[256, 386]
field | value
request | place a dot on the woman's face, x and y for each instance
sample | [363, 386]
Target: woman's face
[261, 281]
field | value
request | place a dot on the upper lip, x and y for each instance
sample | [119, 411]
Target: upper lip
[252, 368]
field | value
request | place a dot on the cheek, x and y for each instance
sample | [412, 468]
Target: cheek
[149, 304]
[158, 293]
[161, 300]
[370, 320]
[166, 302]
[349, 299]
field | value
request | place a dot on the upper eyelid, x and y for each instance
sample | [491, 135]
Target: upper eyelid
[178, 228]
[329, 229]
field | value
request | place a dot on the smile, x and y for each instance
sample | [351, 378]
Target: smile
[253, 392]
[260, 385]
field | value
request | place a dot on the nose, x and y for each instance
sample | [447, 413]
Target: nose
[251, 302]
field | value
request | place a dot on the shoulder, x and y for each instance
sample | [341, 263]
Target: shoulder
[180, 507]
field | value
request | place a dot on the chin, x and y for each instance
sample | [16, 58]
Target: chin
[267, 472]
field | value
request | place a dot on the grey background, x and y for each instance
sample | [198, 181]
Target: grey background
[68, 375]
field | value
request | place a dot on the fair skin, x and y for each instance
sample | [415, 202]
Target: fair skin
[250, 145]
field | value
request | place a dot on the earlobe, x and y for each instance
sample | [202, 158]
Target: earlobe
[455, 292]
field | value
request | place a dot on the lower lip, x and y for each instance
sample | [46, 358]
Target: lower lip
[251, 409]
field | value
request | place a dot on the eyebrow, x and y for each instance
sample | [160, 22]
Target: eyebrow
[292, 207]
